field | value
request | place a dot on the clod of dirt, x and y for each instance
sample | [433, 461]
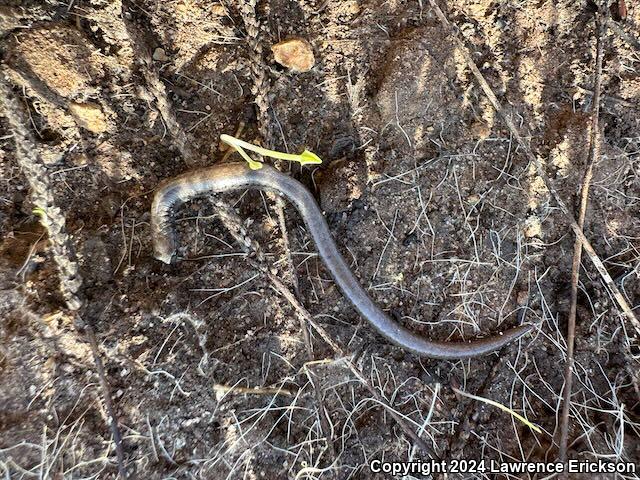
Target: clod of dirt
[60, 57]
[295, 53]
[9, 18]
[89, 116]
[415, 96]
[339, 196]
[537, 191]
[567, 134]
[117, 163]
[480, 130]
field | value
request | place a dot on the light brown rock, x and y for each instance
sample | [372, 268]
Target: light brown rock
[532, 227]
[89, 116]
[295, 53]
[159, 55]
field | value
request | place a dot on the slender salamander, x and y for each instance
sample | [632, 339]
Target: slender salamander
[238, 176]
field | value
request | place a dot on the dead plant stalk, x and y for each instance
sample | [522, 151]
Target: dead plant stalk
[594, 153]
[53, 220]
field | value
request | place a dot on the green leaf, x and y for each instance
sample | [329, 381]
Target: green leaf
[309, 158]
[253, 165]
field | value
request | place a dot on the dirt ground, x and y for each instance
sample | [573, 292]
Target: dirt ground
[428, 195]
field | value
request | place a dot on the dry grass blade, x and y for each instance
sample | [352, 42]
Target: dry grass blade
[511, 412]
[594, 153]
[586, 244]
[223, 390]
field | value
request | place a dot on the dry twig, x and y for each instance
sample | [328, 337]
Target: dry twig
[594, 153]
[158, 90]
[260, 88]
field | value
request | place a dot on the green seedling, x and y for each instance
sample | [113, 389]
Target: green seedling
[305, 158]
[40, 213]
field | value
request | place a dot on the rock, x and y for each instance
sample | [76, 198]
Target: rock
[218, 10]
[532, 227]
[159, 55]
[10, 18]
[89, 116]
[295, 53]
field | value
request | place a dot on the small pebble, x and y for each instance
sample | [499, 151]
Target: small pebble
[295, 53]
[532, 227]
[159, 55]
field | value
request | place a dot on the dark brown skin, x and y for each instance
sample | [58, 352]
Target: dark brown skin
[238, 176]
